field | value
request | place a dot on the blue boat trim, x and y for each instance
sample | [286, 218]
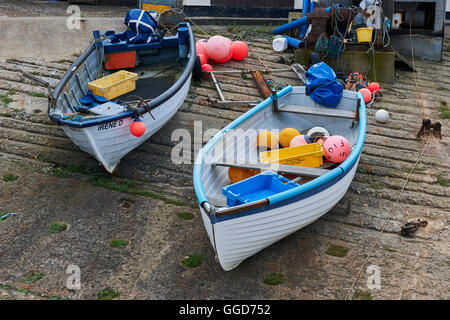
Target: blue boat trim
[296, 194]
[302, 195]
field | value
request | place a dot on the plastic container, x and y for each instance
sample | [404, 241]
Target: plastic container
[120, 60]
[364, 34]
[279, 44]
[114, 85]
[256, 188]
[160, 7]
[308, 155]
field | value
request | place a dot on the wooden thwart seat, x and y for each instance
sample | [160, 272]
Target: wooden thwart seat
[301, 171]
[319, 111]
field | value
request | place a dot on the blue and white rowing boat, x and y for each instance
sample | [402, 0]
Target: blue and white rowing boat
[165, 69]
[239, 232]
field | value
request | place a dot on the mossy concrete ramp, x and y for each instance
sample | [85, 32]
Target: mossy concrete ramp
[150, 202]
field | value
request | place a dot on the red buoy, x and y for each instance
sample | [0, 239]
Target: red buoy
[199, 42]
[200, 48]
[240, 50]
[207, 67]
[367, 95]
[374, 87]
[137, 127]
[203, 59]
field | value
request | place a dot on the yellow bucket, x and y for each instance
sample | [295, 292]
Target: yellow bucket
[364, 34]
[114, 85]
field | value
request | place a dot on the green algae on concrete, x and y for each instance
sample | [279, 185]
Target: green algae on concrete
[337, 251]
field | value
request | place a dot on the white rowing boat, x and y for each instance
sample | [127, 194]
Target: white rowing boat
[240, 231]
[165, 72]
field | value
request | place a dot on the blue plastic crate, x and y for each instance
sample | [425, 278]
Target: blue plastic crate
[256, 188]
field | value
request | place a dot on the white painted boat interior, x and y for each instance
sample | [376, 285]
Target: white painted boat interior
[236, 146]
[155, 77]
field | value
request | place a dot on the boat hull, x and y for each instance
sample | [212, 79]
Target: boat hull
[237, 239]
[238, 232]
[109, 142]
[107, 137]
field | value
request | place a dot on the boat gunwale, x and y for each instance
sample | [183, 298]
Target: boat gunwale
[333, 175]
[174, 89]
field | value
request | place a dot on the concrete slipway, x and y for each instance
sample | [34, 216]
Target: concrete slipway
[46, 178]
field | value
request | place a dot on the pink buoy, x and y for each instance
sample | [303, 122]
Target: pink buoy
[240, 50]
[218, 47]
[321, 141]
[299, 140]
[227, 58]
[203, 59]
[374, 87]
[201, 43]
[207, 67]
[200, 48]
[367, 95]
[202, 51]
[336, 149]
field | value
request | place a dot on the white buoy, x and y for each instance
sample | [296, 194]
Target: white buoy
[318, 131]
[381, 116]
[279, 44]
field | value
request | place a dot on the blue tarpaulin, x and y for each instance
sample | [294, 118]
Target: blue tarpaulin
[322, 85]
[141, 28]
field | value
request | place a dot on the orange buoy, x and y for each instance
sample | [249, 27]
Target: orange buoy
[218, 47]
[286, 136]
[240, 50]
[137, 127]
[239, 174]
[207, 67]
[267, 139]
[367, 95]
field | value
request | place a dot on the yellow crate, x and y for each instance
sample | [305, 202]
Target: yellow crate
[114, 85]
[308, 155]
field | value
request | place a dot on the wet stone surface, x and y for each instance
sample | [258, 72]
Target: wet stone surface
[48, 179]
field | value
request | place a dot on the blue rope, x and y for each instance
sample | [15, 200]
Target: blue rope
[332, 47]
[335, 46]
[322, 46]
